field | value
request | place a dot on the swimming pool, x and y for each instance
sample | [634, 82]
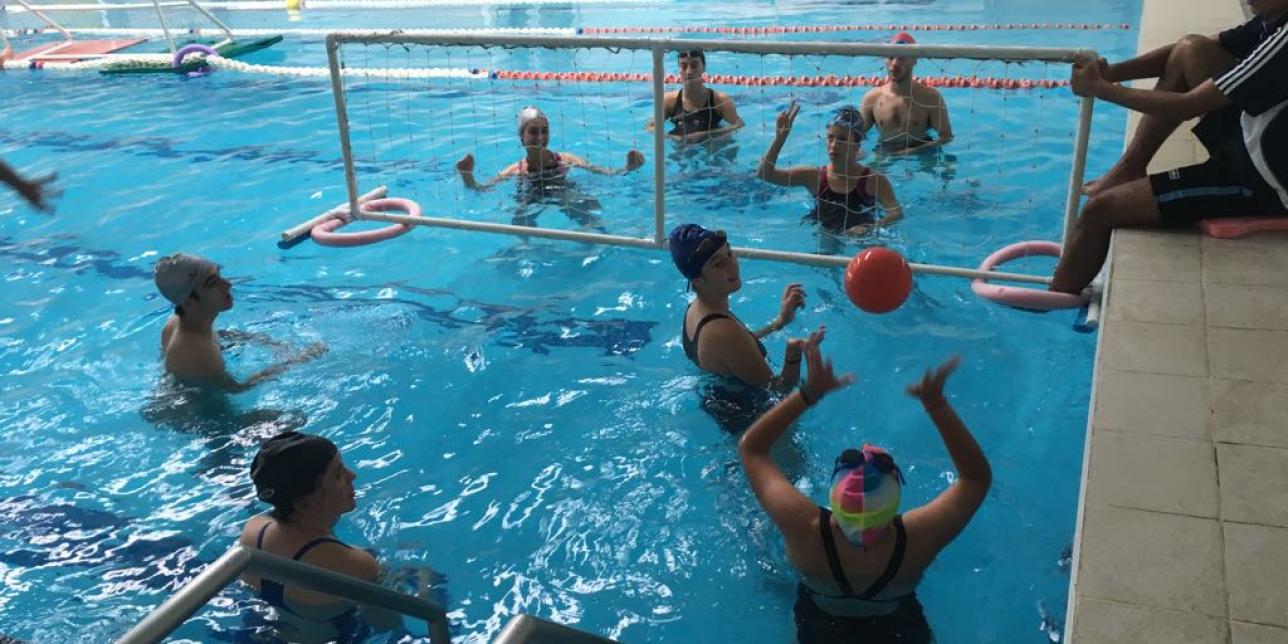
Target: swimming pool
[519, 413]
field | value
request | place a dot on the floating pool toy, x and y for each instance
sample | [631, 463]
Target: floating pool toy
[1020, 297]
[324, 233]
[1235, 227]
[878, 280]
[194, 48]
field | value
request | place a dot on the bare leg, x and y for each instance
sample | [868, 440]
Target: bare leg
[1193, 60]
[1128, 204]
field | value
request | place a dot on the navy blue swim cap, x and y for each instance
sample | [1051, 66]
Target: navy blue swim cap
[688, 250]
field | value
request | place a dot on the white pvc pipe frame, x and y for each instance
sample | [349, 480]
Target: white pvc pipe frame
[659, 49]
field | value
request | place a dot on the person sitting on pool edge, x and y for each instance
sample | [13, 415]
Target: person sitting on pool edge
[199, 294]
[306, 481]
[860, 560]
[713, 338]
[1246, 175]
[540, 165]
[846, 192]
[904, 110]
[695, 110]
[1180, 67]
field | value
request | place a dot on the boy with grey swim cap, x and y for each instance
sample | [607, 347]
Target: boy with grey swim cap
[199, 294]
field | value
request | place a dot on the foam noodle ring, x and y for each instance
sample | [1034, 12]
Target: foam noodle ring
[1023, 297]
[194, 48]
[1235, 227]
[324, 233]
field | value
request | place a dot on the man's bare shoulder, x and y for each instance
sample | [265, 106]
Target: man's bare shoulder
[167, 331]
[925, 94]
[193, 359]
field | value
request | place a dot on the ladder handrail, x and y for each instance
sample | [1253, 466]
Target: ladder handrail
[193, 595]
[524, 629]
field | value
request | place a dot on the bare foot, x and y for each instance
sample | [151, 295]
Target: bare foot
[1116, 176]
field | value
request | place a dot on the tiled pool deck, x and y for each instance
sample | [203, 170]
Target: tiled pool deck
[1183, 522]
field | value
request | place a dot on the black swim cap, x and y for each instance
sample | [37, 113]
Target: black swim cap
[288, 466]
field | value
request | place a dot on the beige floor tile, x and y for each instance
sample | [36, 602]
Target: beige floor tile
[1269, 241]
[1160, 302]
[1248, 307]
[1246, 354]
[1154, 348]
[1161, 258]
[1254, 485]
[1152, 559]
[1176, 475]
[1245, 263]
[1153, 404]
[1148, 238]
[1113, 623]
[1253, 413]
[1256, 565]
[1243, 633]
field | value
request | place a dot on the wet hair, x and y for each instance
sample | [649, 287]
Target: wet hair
[694, 53]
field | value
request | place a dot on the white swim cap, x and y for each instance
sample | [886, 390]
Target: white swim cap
[528, 115]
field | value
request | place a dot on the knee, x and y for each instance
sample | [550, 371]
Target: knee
[1098, 214]
[1196, 45]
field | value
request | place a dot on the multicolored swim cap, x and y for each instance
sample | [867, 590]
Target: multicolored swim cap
[866, 485]
[848, 117]
[528, 115]
[903, 38]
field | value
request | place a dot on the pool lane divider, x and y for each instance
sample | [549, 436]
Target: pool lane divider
[148, 62]
[282, 5]
[578, 31]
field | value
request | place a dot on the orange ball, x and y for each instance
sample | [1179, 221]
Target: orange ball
[878, 280]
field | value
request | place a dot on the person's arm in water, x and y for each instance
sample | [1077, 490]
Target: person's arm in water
[790, 510]
[793, 298]
[889, 202]
[360, 564]
[234, 338]
[308, 353]
[768, 169]
[465, 167]
[1087, 81]
[634, 159]
[35, 191]
[943, 518]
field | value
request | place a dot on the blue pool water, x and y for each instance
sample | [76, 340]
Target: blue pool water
[519, 412]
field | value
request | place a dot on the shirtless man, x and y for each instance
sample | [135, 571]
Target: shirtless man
[199, 294]
[695, 110]
[904, 109]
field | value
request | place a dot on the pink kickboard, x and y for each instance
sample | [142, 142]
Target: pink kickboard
[76, 47]
[1235, 227]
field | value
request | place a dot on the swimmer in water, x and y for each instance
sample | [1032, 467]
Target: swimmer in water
[695, 110]
[199, 294]
[540, 165]
[309, 486]
[904, 109]
[846, 192]
[713, 338]
[860, 560]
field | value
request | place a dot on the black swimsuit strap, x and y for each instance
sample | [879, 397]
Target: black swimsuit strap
[314, 543]
[259, 540]
[703, 322]
[829, 547]
[896, 560]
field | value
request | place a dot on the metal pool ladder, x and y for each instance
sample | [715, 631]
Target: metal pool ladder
[522, 629]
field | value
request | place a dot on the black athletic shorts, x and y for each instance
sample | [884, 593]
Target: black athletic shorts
[1226, 185]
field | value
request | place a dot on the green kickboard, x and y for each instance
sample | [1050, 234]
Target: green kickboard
[230, 50]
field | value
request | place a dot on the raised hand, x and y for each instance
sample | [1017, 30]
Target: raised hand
[930, 389]
[821, 379]
[466, 164]
[786, 118]
[793, 298]
[37, 191]
[634, 159]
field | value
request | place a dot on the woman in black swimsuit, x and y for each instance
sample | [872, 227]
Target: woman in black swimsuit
[846, 193]
[695, 111]
[860, 560]
[713, 338]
